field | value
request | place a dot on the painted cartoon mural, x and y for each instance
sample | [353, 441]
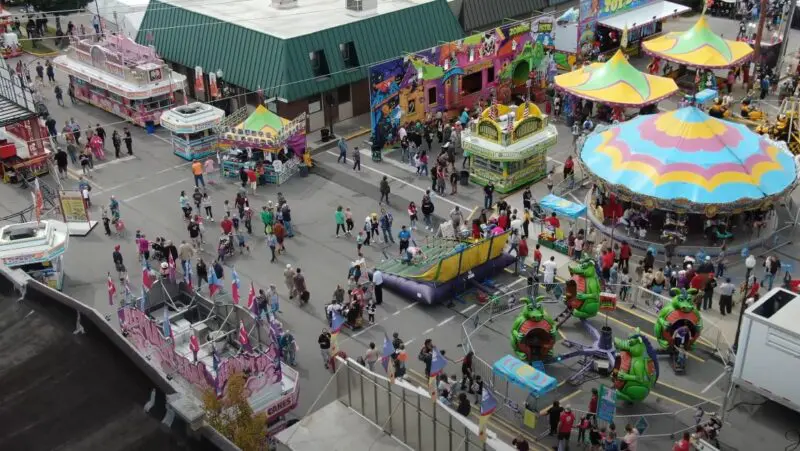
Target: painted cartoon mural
[460, 75]
[262, 369]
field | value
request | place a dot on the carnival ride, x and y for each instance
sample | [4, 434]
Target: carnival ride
[508, 146]
[636, 368]
[616, 83]
[684, 162]
[678, 327]
[443, 268]
[534, 332]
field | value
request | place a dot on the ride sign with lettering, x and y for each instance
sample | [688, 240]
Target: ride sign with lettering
[614, 7]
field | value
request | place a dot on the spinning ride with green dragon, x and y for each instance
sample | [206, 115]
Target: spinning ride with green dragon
[635, 369]
[679, 312]
[534, 332]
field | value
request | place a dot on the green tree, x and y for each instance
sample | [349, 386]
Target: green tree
[55, 6]
[233, 417]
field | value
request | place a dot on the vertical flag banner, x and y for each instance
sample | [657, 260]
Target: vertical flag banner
[143, 301]
[213, 283]
[171, 263]
[187, 274]
[487, 408]
[244, 338]
[194, 346]
[147, 278]
[38, 201]
[386, 358]
[235, 283]
[167, 327]
[199, 85]
[337, 322]
[438, 363]
[214, 358]
[213, 90]
[112, 290]
[251, 300]
[128, 291]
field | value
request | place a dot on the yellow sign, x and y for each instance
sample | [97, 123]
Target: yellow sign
[72, 206]
[529, 419]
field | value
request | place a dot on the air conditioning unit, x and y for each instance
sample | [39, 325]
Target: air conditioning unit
[361, 8]
[284, 4]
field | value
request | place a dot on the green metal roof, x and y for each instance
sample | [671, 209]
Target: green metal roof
[480, 14]
[252, 59]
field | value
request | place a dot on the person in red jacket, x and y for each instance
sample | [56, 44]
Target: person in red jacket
[252, 179]
[522, 254]
[227, 225]
[624, 256]
[608, 262]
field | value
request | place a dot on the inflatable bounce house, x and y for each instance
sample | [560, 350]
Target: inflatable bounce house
[443, 268]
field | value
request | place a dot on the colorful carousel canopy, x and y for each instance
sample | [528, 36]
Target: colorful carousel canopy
[686, 160]
[616, 82]
[699, 47]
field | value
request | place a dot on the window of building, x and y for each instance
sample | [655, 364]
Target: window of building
[343, 94]
[491, 165]
[432, 95]
[314, 104]
[490, 74]
[319, 65]
[349, 56]
[472, 83]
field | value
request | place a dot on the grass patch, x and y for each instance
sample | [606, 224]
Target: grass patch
[43, 46]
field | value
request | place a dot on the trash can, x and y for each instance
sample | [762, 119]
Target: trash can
[463, 177]
[150, 126]
[377, 154]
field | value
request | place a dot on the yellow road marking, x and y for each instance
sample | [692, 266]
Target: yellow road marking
[635, 313]
[561, 401]
[687, 392]
[649, 336]
[658, 395]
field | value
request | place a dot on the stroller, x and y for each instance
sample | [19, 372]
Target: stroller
[159, 254]
[225, 247]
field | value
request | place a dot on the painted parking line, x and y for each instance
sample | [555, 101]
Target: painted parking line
[445, 321]
[155, 190]
[464, 311]
[714, 382]
[410, 305]
[561, 401]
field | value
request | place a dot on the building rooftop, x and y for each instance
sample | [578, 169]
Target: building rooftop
[76, 392]
[309, 16]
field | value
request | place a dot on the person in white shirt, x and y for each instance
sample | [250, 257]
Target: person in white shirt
[377, 282]
[631, 437]
[550, 268]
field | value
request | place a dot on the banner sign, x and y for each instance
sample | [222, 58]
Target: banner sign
[72, 206]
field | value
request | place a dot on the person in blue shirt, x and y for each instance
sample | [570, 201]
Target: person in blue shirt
[405, 238]
[386, 220]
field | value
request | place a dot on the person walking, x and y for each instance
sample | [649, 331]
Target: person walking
[427, 210]
[101, 132]
[128, 140]
[339, 218]
[59, 95]
[72, 151]
[286, 213]
[288, 278]
[324, 341]
[202, 272]
[726, 291]
[377, 283]
[272, 242]
[197, 171]
[300, 286]
[386, 221]
[119, 264]
[342, 144]
[356, 159]
[206, 203]
[384, 189]
[61, 161]
[116, 141]
[371, 356]
[488, 195]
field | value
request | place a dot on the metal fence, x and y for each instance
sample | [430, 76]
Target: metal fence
[513, 399]
[407, 414]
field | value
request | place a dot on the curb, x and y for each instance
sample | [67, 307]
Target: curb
[356, 134]
[42, 54]
[334, 142]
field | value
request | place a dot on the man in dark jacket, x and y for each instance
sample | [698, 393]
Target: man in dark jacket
[427, 210]
[384, 188]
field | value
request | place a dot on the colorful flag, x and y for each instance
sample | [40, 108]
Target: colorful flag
[187, 274]
[199, 83]
[112, 290]
[214, 358]
[438, 363]
[167, 327]
[487, 408]
[194, 346]
[171, 263]
[38, 201]
[235, 283]
[213, 283]
[213, 90]
[386, 358]
[337, 322]
[147, 278]
[244, 338]
[251, 300]
[128, 291]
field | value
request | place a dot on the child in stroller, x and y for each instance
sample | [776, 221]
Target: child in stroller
[225, 247]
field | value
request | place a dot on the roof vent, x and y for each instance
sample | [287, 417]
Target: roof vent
[361, 8]
[284, 4]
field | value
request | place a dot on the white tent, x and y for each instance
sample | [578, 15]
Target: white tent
[122, 16]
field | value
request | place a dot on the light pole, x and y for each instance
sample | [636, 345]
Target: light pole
[749, 263]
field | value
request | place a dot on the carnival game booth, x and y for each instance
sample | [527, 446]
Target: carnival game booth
[10, 40]
[508, 146]
[702, 57]
[556, 238]
[615, 85]
[37, 248]
[24, 150]
[272, 146]
[686, 177]
[193, 128]
[121, 77]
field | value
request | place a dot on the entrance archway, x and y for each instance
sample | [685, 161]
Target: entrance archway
[520, 74]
